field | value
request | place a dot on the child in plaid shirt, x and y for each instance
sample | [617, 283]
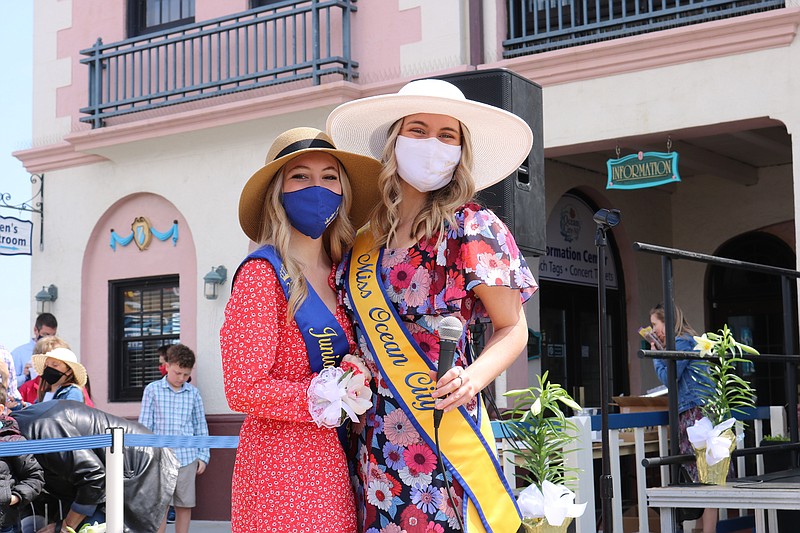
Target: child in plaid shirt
[172, 406]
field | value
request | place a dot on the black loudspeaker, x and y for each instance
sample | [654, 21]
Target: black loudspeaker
[519, 199]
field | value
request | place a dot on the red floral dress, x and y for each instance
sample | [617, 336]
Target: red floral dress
[399, 487]
[289, 475]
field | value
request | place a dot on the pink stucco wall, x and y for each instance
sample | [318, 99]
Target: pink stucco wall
[93, 19]
[102, 264]
[90, 19]
[379, 29]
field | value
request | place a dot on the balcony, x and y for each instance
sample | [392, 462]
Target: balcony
[284, 42]
[542, 25]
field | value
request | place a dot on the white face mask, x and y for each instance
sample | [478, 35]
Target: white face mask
[426, 164]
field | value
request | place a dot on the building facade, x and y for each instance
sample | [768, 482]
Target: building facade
[149, 116]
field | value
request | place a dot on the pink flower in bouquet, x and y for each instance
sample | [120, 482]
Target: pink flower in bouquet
[356, 364]
[358, 395]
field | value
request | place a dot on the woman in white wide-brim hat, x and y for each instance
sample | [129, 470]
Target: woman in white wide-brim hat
[436, 254]
[290, 474]
[63, 377]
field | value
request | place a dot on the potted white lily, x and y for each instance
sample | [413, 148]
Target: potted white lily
[539, 431]
[728, 393]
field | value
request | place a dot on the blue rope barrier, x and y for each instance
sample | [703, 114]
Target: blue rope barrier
[54, 445]
[104, 441]
[175, 441]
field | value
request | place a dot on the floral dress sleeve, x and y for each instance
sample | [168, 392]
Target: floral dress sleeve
[489, 254]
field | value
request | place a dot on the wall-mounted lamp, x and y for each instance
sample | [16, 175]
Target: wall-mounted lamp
[215, 277]
[44, 297]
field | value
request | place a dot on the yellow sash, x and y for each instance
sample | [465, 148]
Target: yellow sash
[468, 450]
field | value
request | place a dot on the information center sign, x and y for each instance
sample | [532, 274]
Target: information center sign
[571, 255]
[645, 169]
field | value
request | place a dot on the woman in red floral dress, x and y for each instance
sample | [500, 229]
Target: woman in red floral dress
[439, 255]
[290, 474]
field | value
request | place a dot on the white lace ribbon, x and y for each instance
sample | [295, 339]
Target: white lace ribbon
[554, 502]
[704, 434]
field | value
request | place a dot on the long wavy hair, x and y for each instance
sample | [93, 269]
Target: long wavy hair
[276, 230]
[682, 326]
[440, 205]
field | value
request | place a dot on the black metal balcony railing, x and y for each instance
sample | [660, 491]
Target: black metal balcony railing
[283, 42]
[541, 25]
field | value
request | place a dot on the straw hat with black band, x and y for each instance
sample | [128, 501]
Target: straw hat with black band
[501, 141]
[362, 172]
[66, 356]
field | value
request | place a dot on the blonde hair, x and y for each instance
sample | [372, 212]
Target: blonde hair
[48, 344]
[440, 205]
[682, 326]
[276, 230]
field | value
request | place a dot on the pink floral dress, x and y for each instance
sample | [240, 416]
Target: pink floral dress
[397, 481]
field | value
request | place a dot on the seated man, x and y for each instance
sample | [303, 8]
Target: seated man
[75, 480]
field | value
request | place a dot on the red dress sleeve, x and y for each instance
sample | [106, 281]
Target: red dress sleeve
[262, 355]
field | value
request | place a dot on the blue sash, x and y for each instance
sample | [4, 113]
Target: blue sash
[326, 342]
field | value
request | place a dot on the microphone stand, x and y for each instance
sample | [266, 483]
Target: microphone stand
[605, 220]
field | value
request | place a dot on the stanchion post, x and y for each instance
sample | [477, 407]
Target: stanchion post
[114, 481]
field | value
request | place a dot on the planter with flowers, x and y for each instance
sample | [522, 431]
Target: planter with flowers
[728, 393]
[539, 432]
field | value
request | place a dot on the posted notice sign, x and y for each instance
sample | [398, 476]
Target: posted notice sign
[571, 252]
[15, 236]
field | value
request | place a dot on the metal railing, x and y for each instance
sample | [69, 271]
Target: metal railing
[541, 25]
[286, 41]
[791, 359]
[639, 426]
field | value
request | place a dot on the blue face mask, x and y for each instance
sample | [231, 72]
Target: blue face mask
[312, 209]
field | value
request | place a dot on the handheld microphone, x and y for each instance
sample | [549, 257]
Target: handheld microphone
[450, 331]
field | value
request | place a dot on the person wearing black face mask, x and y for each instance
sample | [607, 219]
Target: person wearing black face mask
[63, 377]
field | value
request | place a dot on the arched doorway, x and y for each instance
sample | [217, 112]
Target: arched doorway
[569, 321]
[750, 303]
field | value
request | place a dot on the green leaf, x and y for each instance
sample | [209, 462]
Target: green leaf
[569, 402]
[748, 349]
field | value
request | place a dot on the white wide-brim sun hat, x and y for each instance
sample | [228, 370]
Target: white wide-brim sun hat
[66, 356]
[501, 141]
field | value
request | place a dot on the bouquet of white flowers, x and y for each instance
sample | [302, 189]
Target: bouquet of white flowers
[726, 393]
[340, 392]
[540, 433]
